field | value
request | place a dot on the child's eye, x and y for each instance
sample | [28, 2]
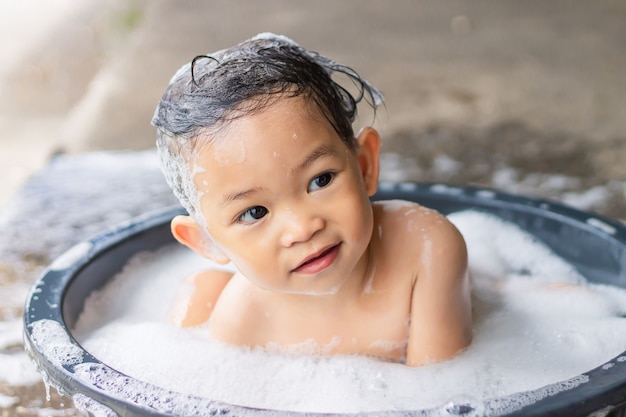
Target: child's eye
[253, 214]
[321, 181]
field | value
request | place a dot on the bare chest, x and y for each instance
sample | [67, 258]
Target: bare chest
[377, 327]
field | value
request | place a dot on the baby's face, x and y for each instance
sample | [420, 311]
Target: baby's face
[284, 199]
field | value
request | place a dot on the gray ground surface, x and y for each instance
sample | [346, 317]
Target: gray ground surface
[528, 96]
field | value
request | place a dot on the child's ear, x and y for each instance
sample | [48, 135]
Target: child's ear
[368, 154]
[191, 234]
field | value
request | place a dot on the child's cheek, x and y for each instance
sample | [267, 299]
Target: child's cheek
[358, 214]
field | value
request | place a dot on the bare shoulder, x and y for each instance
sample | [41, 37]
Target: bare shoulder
[239, 314]
[420, 240]
[426, 243]
[415, 225]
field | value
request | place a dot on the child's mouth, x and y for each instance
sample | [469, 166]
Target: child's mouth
[318, 261]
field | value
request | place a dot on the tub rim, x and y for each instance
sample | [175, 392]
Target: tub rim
[46, 300]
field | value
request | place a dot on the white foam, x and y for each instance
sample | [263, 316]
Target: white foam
[486, 194]
[444, 165]
[15, 367]
[532, 335]
[17, 370]
[446, 189]
[600, 225]
[6, 401]
[54, 343]
[146, 299]
[89, 406]
[273, 37]
[500, 250]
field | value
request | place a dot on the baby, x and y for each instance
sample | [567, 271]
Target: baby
[257, 143]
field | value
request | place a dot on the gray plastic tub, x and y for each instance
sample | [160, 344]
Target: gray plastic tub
[596, 246]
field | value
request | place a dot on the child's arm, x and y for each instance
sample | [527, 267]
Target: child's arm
[194, 304]
[441, 317]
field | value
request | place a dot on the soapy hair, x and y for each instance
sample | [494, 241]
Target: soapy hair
[211, 91]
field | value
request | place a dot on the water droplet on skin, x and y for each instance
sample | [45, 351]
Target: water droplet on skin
[197, 169]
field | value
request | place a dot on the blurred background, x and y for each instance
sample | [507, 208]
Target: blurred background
[471, 87]
[525, 96]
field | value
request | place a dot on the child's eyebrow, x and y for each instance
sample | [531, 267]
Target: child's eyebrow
[237, 195]
[320, 152]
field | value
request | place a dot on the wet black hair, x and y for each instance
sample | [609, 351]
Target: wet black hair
[212, 90]
[215, 89]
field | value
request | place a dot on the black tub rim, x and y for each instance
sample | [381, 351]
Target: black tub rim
[47, 296]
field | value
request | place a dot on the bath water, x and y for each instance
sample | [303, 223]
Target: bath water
[537, 327]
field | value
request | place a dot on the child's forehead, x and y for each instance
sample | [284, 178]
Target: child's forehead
[282, 133]
[298, 113]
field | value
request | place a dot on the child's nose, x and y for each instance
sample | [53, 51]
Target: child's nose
[300, 226]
